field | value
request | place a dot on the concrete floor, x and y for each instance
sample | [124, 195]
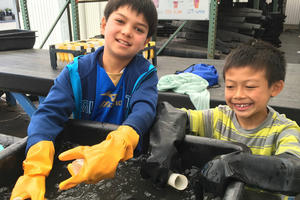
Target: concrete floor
[290, 44]
[13, 120]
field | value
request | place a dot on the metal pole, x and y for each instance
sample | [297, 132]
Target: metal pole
[25, 14]
[213, 11]
[171, 37]
[75, 20]
[54, 24]
[69, 23]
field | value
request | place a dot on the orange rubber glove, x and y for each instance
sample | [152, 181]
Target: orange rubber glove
[94, 163]
[37, 166]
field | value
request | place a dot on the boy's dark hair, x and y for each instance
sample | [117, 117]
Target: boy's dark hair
[261, 56]
[145, 7]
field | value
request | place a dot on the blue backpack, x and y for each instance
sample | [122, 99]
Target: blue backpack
[207, 72]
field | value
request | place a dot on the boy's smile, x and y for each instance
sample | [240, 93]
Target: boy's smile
[125, 33]
[247, 92]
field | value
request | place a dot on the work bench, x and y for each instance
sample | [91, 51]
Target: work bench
[29, 72]
[25, 72]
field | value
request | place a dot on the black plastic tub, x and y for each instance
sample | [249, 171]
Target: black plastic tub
[127, 184]
[16, 39]
[6, 140]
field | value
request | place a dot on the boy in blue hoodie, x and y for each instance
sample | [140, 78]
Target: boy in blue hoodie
[114, 84]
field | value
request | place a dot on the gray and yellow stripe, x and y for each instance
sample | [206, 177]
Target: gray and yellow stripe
[276, 135]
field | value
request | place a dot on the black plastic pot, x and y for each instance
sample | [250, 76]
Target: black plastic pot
[195, 151]
[16, 39]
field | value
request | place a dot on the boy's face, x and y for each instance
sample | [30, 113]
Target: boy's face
[247, 93]
[125, 33]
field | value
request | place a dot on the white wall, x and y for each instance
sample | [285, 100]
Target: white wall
[292, 11]
[6, 4]
[12, 4]
[43, 13]
[90, 15]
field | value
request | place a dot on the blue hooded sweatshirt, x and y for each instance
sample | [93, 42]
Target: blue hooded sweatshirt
[74, 91]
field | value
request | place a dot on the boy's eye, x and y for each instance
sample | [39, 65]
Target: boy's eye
[229, 86]
[250, 86]
[140, 30]
[120, 21]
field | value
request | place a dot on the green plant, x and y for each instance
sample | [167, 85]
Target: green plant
[8, 11]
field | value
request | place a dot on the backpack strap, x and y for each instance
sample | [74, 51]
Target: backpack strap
[76, 87]
[181, 71]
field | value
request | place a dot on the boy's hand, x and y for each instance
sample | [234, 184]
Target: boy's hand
[216, 173]
[28, 187]
[166, 134]
[37, 166]
[99, 161]
[155, 172]
[280, 174]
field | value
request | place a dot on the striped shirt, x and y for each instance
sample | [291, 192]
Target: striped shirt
[276, 135]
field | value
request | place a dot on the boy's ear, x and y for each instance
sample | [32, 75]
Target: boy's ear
[103, 25]
[277, 87]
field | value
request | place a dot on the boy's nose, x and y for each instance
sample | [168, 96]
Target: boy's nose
[239, 93]
[127, 31]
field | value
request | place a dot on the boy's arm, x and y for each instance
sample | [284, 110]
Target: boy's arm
[46, 123]
[48, 120]
[277, 173]
[36, 166]
[280, 174]
[201, 122]
[143, 105]
[166, 135]
[288, 140]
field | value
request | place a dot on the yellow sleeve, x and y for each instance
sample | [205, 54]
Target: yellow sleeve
[289, 141]
[200, 124]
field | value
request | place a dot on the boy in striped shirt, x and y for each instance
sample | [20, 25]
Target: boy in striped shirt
[253, 73]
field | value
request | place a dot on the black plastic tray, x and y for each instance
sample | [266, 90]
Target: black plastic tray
[16, 39]
[196, 151]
